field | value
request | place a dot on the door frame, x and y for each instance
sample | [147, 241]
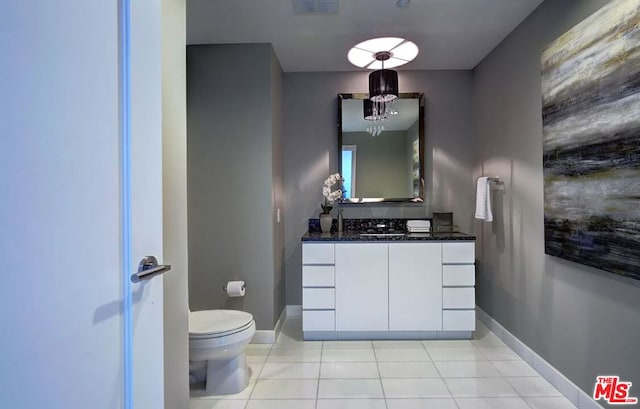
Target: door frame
[125, 194]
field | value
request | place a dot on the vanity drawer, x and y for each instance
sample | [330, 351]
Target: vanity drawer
[318, 320]
[459, 275]
[460, 320]
[318, 298]
[318, 253]
[459, 297]
[318, 276]
[459, 252]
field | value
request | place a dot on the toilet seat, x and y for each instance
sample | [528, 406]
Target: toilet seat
[218, 323]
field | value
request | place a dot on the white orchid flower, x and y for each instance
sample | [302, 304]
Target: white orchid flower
[329, 196]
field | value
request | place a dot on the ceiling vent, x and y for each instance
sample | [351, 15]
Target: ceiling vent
[315, 6]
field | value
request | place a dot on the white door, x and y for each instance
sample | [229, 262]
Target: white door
[79, 131]
[362, 287]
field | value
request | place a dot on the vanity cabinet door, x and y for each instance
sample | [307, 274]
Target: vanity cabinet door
[415, 286]
[362, 287]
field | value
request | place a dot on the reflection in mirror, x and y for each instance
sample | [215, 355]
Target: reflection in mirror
[381, 160]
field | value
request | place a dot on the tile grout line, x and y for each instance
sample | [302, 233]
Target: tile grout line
[496, 368]
[375, 357]
[531, 407]
[258, 378]
[523, 397]
[455, 402]
[319, 374]
[441, 376]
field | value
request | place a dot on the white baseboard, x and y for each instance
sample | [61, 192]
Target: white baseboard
[294, 310]
[270, 336]
[574, 394]
[278, 327]
[264, 336]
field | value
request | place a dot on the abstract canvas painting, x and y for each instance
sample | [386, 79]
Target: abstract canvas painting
[591, 125]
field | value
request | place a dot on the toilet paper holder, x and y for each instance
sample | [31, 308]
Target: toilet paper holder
[224, 287]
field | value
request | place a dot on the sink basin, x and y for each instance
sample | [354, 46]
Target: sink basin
[382, 234]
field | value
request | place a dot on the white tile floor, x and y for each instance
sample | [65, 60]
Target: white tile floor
[479, 374]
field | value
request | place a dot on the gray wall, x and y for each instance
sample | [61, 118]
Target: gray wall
[585, 322]
[232, 182]
[311, 151]
[277, 158]
[174, 204]
[382, 167]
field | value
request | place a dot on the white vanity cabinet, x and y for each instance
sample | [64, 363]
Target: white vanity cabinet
[318, 287]
[415, 286]
[458, 291]
[362, 285]
[387, 290]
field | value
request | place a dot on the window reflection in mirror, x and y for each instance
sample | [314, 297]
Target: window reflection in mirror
[381, 160]
[348, 171]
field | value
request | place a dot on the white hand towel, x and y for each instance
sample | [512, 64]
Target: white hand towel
[483, 200]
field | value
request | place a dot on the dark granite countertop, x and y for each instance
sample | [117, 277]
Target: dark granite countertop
[355, 236]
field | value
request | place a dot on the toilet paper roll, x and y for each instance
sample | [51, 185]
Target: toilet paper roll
[235, 288]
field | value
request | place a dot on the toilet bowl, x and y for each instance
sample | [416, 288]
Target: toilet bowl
[217, 340]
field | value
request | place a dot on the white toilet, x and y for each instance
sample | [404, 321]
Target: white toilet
[217, 340]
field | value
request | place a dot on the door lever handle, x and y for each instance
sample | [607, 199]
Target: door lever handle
[149, 268]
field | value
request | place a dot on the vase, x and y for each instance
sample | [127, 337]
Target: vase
[325, 222]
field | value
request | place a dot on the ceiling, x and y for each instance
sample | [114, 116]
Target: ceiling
[451, 34]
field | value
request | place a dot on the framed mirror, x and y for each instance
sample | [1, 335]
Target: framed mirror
[382, 160]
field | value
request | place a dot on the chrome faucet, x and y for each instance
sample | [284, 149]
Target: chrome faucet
[340, 218]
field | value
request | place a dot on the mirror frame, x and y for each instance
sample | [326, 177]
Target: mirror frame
[421, 116]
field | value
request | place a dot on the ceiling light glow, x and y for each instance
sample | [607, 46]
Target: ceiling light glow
[402, 51]
[380, 44]
[359, 58]
[406, 51]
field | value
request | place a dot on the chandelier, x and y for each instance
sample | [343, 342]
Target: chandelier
[383, 83]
